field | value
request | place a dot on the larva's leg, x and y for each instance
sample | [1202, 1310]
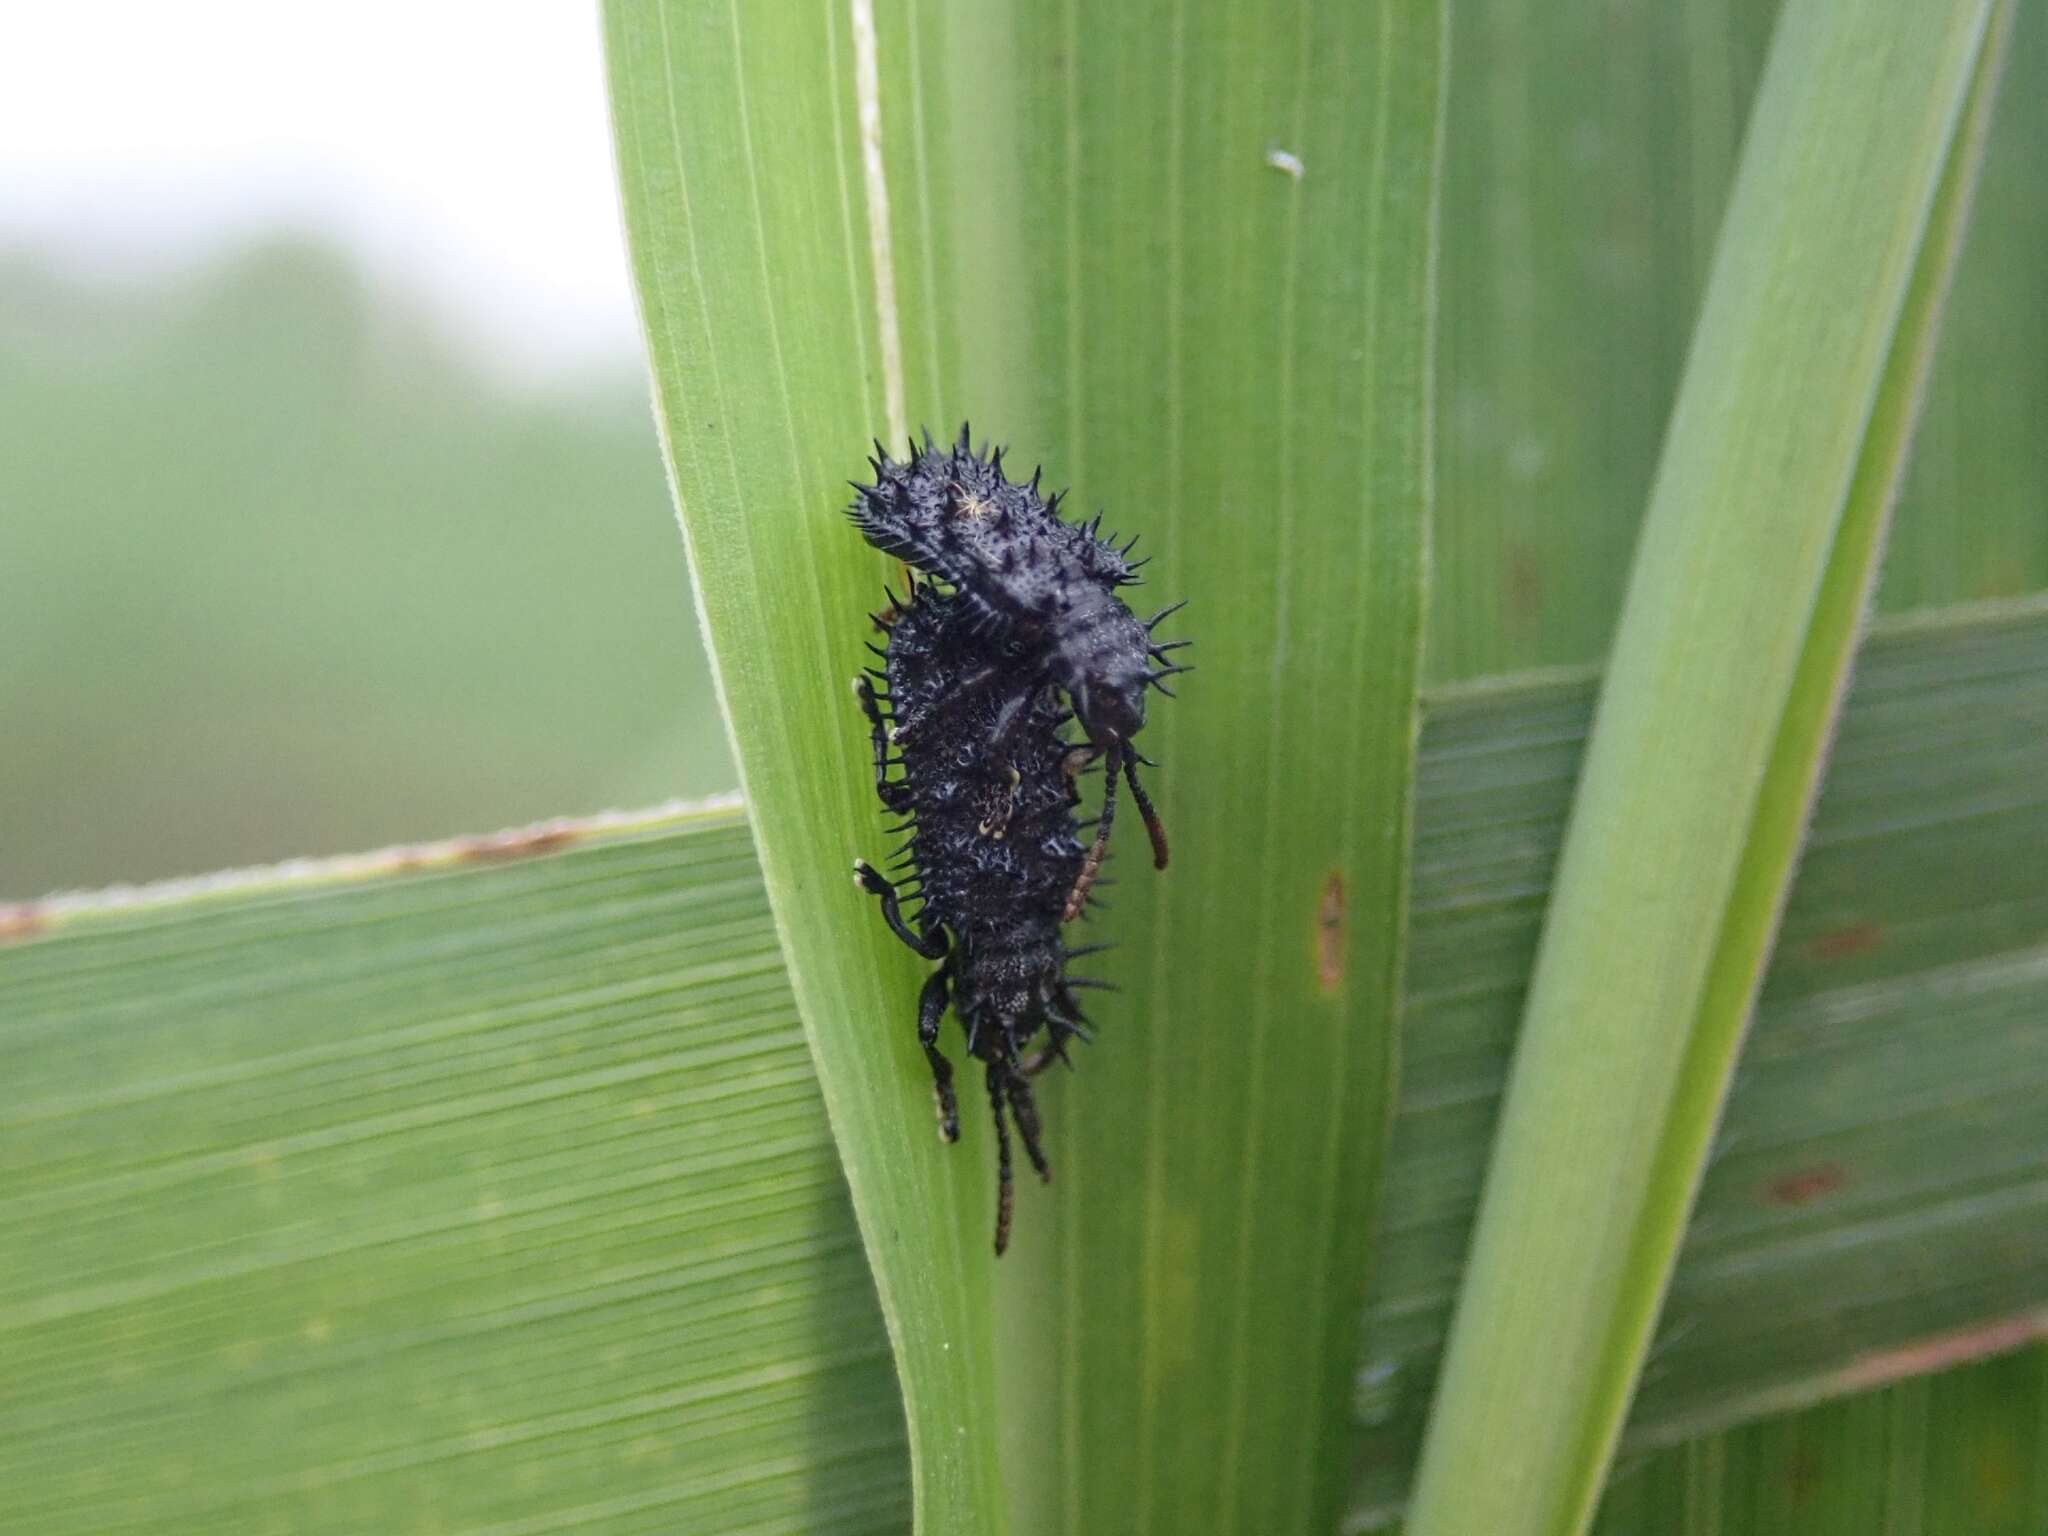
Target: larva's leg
[931, 943]
[1091, 865]
[931, 1009]
[1153, 829]
[1025, 1107]
[997, 1073]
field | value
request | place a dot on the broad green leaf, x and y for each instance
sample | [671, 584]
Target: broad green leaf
[496, 1198]
[1753, 570]
[455, 1186]
[1873, 1205]
[1183, 258]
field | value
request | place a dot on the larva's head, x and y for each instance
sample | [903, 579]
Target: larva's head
[1100, 654]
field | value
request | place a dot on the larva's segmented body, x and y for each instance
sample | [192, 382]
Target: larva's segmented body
[1020, 632]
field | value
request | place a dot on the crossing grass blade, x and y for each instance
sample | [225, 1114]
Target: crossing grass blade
[1751, 577]
[1874, 1202]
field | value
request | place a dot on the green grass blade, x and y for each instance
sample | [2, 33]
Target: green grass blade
[494, 1198]
[1874, 1203]
[1181, 263]
[1778, 470]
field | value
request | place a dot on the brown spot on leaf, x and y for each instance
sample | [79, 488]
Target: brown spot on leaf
[1802, 1474]
[1330, 934]
[515, 845]
[1523, 584]
[24, 920]
[1803, 1186]
[1848, 939]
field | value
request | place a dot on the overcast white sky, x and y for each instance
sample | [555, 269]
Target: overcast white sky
[459, 145]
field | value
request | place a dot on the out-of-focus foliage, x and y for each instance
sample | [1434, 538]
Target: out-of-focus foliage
[282, 573]
[1958, 1454]
[1591, 148]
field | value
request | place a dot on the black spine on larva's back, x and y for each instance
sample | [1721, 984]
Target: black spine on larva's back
[955, 515]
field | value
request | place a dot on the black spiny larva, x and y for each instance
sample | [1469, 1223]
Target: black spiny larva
[1044, 588]
[982, 674]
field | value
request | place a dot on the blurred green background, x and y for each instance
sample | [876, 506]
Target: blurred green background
[331, 513]
[286, 569]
